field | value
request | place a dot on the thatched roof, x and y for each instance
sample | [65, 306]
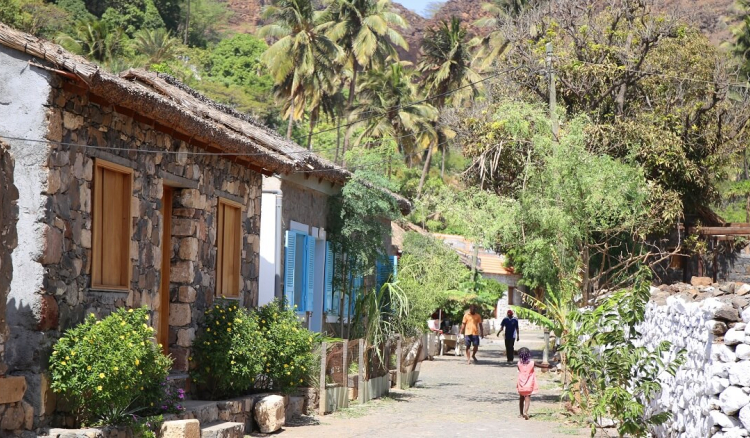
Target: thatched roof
[165, 100]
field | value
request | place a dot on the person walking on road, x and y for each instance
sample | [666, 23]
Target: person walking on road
[512, 333]
[472, 329]
[526, 381]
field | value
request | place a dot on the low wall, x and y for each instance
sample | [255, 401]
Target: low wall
[709, 395]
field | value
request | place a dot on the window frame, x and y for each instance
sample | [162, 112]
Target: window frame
[97, 231]
[224, 202]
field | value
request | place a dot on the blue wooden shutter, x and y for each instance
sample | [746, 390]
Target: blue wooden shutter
[356, 291]
[290, 251]
[329, 278]
[395, 268]
[382, 274]
[307, 300]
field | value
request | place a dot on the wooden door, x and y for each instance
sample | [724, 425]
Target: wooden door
[166, 258]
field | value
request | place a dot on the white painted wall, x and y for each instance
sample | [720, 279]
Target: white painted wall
[270, 209]
[24, 92]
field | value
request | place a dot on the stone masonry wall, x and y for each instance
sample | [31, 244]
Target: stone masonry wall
[15, 414]
[710, 393]
[200, 179]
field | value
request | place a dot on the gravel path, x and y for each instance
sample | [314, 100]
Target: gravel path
[454, 400]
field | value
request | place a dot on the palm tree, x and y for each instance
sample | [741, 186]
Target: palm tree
[365, 30]
[384, 109]
[302, 49]
[490, 47]
[157, 44]
[93, 39]
[447, 74]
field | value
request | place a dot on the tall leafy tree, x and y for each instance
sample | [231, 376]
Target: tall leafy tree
[447, 73]
[384, 109]
[301, 56]
[366, 31]
[158, 45]
[93, 39]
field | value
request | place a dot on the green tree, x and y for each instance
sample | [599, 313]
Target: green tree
[202, 22]
[384, 110]
[157, 45]
[237, 60]
[35, 16]
[657, 92]
[93, 39]
[447, 74]
[132, 16]
[366, 31]
[302, 56]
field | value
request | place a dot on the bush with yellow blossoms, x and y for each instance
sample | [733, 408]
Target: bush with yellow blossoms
[109, 369]
[227, 354]
[289, 358]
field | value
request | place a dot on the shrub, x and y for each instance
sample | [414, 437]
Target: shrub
[109, 369]
[229, 352]
[289, 357]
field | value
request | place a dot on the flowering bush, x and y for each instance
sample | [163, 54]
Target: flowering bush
[109, 369]
[170, 400]
[229, 352]
[289, 357]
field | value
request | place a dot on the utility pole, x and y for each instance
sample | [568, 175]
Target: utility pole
[552, 92]
[555, 129]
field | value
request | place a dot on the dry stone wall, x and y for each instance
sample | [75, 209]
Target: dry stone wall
[710, 393]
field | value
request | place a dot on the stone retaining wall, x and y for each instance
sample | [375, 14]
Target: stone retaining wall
[708, 396]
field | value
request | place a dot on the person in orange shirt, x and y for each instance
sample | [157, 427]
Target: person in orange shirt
[472, 329]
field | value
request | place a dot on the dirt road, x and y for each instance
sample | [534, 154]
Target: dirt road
[454, 400]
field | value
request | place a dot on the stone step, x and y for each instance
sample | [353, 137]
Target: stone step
[180, 381]
[223, 430]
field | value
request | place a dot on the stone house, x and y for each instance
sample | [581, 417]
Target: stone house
[128, 190]
[296, 259]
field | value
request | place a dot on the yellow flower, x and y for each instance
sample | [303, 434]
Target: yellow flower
[286, 366]
[101, 375]
[288, 373]
[127, 387]
[88, 368]
[208, 329]
[54, 353]
[263, 321]
[141, 388]
[232, 362]
[300, 380]
[130, 311]
[150, 329]
[72, 353]
[228, 329]
[145, 317]
[122, 338]
[122, 323]
[62, 363]
[98, 322]
[145, 325]
[190, 358]
[137, 362]
[117, 369]
[99, 388]
[140, 372]
[67, 357]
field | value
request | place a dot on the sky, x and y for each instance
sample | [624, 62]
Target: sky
[415, 5]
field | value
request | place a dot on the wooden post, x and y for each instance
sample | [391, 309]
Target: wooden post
[361, 379]
[322, 397]
[345, 371]
[399, 357]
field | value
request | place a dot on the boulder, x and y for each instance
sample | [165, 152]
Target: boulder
[744, 289]
[724, 353]
[739, 373]
[734, 337]
[728, 288]
[269, 413]
[181, 429]
[294, 409]
[716, 385]
[722, 420]
[727, 312]
[742, 352]
[745, 417]
[746, 315]
[733, 399]
[701, 281]
[718, 328]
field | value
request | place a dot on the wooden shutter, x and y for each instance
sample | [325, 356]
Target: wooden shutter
[329, 279]
[290, 252]
[111, 267]
[382, 273]
[308, 299]
[228, 256]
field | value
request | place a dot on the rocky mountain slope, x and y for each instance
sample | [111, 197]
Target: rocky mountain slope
[715, 17]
